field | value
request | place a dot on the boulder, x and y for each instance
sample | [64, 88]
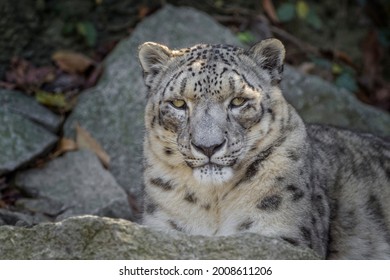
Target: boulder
[318, 101]
[90, 237]
[74, 184]
[26, 130]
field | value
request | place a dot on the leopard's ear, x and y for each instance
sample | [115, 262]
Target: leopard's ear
[153, 57]
[269, 54]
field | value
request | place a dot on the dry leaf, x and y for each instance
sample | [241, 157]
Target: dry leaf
[269, 9]
[344, 57]
[72, 62]
[64, 145]
[85, 140]
[307, 67]
[302, 9]
[7, 85]
[143, 11]
[25, 76]
[3, 204]
[51, 99]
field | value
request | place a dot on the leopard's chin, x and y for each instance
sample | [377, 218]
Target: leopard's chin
[213, 174]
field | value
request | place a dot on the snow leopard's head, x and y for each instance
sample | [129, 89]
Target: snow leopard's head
[211, 106]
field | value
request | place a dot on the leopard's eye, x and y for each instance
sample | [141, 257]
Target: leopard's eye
[237, 101]
[179, 104]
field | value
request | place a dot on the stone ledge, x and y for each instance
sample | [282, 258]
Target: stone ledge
[90, 237]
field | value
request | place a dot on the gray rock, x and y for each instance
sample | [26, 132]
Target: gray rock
[21, 104]
[318, 101]
[43, 205]
[102, 238]
[8, 217]
[74, 184]
[25, 130]
[113, 111]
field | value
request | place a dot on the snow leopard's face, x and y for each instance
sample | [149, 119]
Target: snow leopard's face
[210, 106]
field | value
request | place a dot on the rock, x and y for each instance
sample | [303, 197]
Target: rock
[318, 101]
[25, 128]
[113, 111]
[74, 184]
[91, 237]
[44, 205]
[8, 217]
[19, 103]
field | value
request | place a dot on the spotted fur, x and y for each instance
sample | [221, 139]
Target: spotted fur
[225, 153]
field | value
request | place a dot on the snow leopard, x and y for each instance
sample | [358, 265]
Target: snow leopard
[225, 153]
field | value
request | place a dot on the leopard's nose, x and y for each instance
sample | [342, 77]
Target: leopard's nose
[208, 150]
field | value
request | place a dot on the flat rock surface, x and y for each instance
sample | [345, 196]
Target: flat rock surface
[91, 237]
[74, 184]
[26, 130]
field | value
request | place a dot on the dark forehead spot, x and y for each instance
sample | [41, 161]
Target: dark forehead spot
[212, 53]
